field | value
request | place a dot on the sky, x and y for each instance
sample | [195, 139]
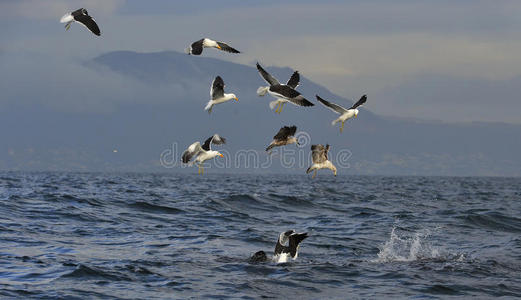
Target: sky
[454, 61]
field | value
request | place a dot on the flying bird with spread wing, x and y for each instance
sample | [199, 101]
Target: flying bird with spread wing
[282, 92]
[285, 136]
[320, 159]
[81, 16]
[196, 48]
[345, 114]
[202, 153]
[218, 95]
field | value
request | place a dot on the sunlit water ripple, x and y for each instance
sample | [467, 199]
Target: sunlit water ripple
[153, 236]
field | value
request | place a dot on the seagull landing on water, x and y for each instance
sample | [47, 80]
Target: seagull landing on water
[202, 153]
[285, 136]
[287, 247]
[197, 47]
[345, 114]
[320, 160]
[218, 95]
[283, 92]
[81, 16]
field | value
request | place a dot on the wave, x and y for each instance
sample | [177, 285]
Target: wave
[494, 220]
[154, 208]
[85, 272]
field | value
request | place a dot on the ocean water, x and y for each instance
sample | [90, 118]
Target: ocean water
[165, 236]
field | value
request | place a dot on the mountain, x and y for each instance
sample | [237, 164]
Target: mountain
[155, 107]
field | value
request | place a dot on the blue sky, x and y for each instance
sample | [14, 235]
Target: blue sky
[442, 60]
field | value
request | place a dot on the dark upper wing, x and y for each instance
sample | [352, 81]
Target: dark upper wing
[300, 100]
[294, 80]
[269, 79]
[284, 132]
[83, 17]
[227, 48]
[197, 47]
[294, 241]
[284, 91]
[334, 107]
[215, 139]
[217, 88]
[359, 102]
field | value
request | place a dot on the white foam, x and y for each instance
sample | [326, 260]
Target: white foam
[406, 248]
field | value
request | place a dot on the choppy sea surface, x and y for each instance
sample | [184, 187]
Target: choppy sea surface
[163, 236]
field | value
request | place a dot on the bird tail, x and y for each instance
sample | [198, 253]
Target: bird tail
[209, 106]
[261, 91]
[188, 51]
[334, 122]
[273, 104]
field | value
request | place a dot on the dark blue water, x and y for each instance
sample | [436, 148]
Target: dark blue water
[145, 236]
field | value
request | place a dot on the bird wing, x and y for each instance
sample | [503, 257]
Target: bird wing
[294, 80]
[359, 102]
[301, 101]
[215, 139]
[294, 241]
[192, 151]
[317, 153]
[285, 132]
[227, 48]
[334, 107]
[326, 152]
[87, 21]
[197, 47]
[217, 90]
[269, 79]
[284, 91]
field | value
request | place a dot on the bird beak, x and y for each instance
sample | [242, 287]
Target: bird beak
[236, 99]
[220, 154]
[218, 47]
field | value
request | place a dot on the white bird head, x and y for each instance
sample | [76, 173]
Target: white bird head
[232, 96]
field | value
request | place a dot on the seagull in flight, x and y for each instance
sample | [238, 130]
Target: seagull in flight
[202, 153]
[218, 95]
[282, 92]
[345, 114]
[81, 16]
[197, 47]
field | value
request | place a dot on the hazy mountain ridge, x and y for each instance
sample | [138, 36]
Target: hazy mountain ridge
[173, 88]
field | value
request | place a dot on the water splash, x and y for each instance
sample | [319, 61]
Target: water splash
[404, 247]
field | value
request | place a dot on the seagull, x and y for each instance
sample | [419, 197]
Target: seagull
[283, 92]
[282, 252]
[293, 82]
[197, 47]
[217, 94]
[285, 136]
[320, 160]
[345, 114]
[202, 153]
[81, 16]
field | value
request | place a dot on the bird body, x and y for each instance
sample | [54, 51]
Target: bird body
[218, 95]
[320, 160]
